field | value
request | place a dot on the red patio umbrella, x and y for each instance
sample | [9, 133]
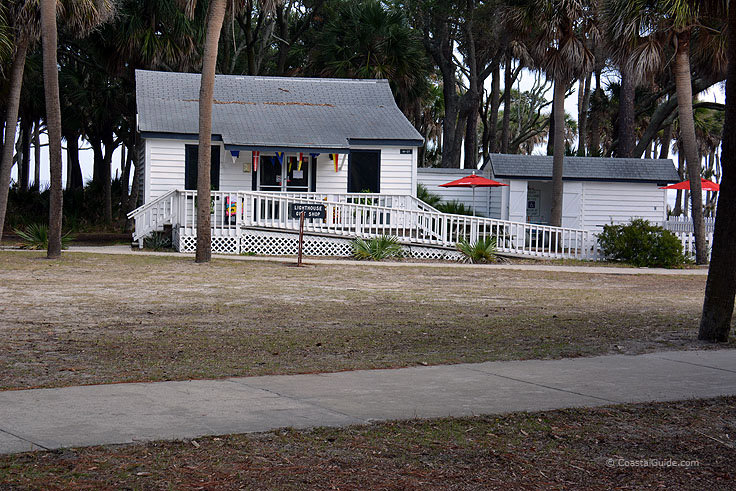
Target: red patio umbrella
[707, 185]
[472, 181]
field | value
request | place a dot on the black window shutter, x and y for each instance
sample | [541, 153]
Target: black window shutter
[191, 156]
[313, 170]
[190, 167]
[215, 168]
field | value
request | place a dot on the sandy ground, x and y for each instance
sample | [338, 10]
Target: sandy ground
[92, 318]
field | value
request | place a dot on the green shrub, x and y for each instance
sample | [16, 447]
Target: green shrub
[158, 241]
[428, 197]
[377, 248]
[641, 244]
[455, 208]
[482, 251]
[36, 236]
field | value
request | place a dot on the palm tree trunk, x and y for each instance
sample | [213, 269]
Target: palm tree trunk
[53, 123]
[215, 17]
[689, 142]
[626, 110]
[507, 89]
[583, 115]
[664, 151]
[24, 163]
[559, 153]
[594, 145]
[37, 156]
[72, 162]
[11, 124]
[720, 289]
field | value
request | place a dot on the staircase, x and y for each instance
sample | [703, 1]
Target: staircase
[244, 221]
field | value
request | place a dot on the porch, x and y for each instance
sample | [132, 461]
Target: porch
[258, 222]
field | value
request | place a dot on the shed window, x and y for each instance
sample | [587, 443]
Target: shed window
[190, 167]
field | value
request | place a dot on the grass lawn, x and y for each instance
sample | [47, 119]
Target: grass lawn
[621, 447]
[100, 318]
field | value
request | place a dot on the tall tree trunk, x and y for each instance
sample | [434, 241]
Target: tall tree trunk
[72, 162]
[471, 141]
[11, 123]
[583, 115]
[215, 18]
[552, 125]
[37, 156]
[626, 111]
[594, 145]
[495, 105]
[107, 178]
[24, 164]
[507, 90]
[53, 123]
[664, 151]
[558, 160]
[687, 131]
[126, 160]
[720, 289]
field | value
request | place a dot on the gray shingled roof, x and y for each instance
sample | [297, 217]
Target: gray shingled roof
[274, 111]
[584, 168]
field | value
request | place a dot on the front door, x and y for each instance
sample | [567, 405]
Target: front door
[275, 176]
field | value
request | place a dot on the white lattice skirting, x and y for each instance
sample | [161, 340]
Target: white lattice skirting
[268, 243]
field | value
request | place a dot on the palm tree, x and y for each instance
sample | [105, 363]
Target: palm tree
[720, 289]
[83, 15]
[366, 40]
[557, 36]
[650, 27]
[30, 22]
[215, 18]
[21, 38]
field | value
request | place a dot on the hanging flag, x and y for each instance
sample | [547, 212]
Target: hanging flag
[301, 158]
[256, 158]
[334, 159]
[280, 156]
[291, 161]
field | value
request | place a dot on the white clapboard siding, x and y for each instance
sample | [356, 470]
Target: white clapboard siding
[232, 177]
[397, 171]
[433, 177]
[164, 166]
[619, 202]
[329, 181]
[572, 204]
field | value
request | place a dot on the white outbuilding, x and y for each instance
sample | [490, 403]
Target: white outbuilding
[597, 191]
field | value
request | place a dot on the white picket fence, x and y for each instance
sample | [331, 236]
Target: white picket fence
[682, 227]
[353, 215]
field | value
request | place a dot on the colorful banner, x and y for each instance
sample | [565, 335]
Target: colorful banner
[334, 159]
[256, 158]
[301, 159]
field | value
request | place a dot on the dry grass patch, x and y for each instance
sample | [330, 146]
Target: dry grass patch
[101, 318]
[567, 449]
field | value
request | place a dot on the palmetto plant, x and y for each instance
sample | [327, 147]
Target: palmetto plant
[482, 251]
[428, 197]
[36, 236]
[377, 248]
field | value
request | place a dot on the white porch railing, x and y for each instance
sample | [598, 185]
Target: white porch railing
[154, 215]
[370, 215]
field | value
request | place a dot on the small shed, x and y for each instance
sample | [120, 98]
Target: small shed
[597, 191]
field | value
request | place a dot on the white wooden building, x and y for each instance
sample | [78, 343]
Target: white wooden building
[349, 135]
[597, 191]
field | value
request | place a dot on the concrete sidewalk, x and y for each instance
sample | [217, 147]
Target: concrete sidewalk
[121, 413]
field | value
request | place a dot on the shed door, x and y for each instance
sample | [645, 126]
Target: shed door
[190, 167]
[364, 171]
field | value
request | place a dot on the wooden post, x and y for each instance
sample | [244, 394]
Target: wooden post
[301, 238]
